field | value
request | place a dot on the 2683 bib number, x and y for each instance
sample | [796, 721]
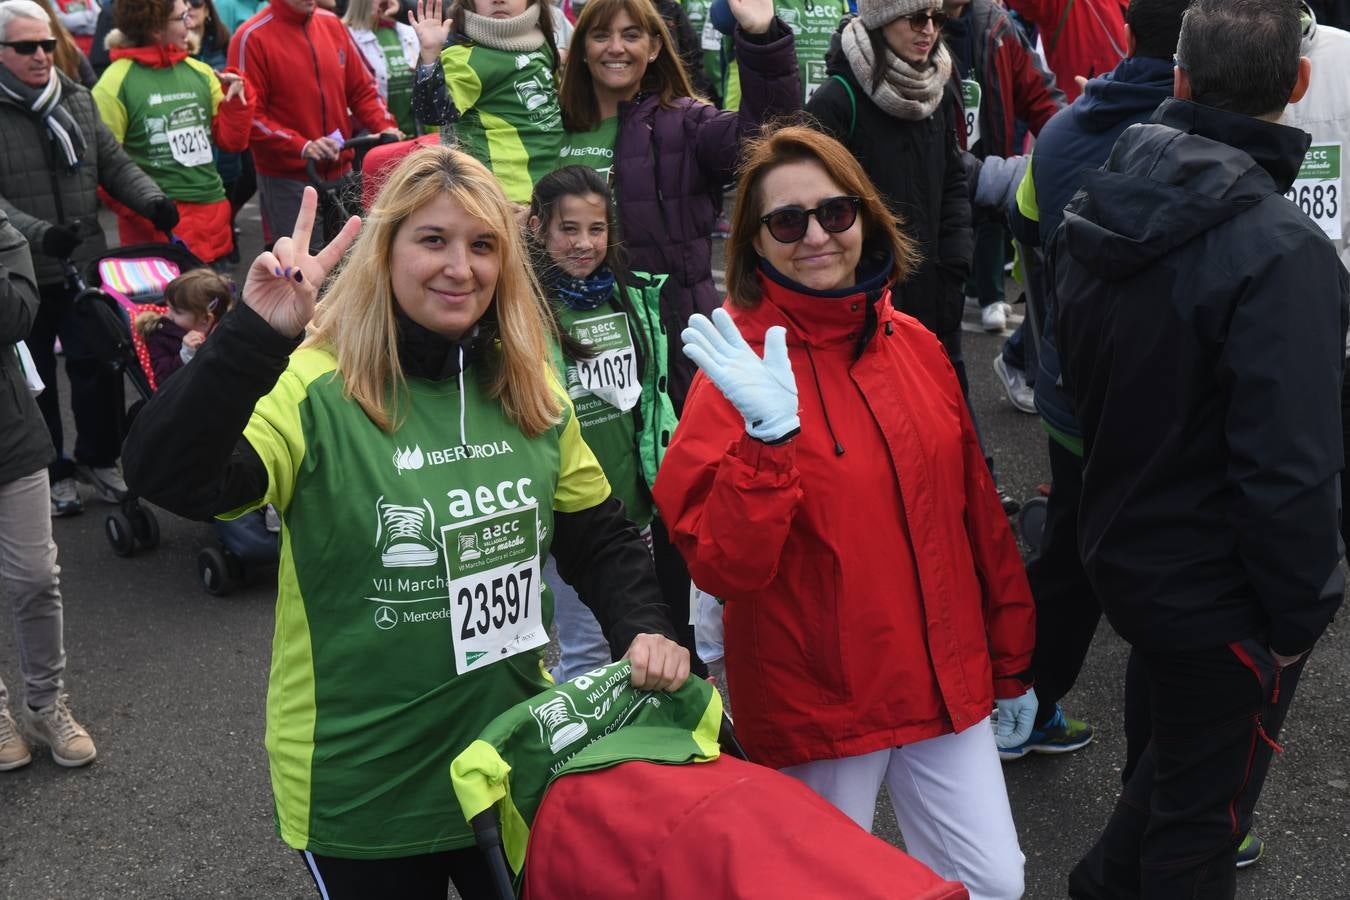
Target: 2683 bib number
[487, 607]
[1318, 201]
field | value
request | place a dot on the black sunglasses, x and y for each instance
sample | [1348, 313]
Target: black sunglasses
[920, 19]
[788, 225]
[28, 48]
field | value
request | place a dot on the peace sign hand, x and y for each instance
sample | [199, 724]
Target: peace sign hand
[432, 29]
[754, 16]
[283, 285]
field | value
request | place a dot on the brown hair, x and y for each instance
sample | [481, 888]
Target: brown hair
[138, 20]
[665, 77]
[545, 25]
[798, 143]
[202, 292]
[67, 56]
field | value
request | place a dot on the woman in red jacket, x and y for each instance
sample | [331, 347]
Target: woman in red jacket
[829, 487]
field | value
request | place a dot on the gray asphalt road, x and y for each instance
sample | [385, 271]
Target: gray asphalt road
[171, 682]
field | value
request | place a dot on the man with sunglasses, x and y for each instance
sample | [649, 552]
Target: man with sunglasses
[55, 153]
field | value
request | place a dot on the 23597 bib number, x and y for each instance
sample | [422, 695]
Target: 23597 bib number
[486, 607]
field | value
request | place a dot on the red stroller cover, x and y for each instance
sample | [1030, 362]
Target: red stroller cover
[725, 828]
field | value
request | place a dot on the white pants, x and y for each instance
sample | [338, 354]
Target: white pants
[949, 798]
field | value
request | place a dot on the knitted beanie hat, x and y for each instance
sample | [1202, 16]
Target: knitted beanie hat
[877, 13]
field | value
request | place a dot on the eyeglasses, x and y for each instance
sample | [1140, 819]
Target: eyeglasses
[28, 48]
[920, 19]
[788, 225]
[196, 4]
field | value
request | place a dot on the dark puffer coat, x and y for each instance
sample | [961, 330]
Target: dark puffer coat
[916, 165]
[671, 164]
[25, 445]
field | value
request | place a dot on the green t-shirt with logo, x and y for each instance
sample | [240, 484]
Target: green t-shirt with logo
[510, 120]
[162, 117]
[400, 76]
[409, 610]
[813, 24]
[593, 148]
[595, 721]
[605, 391]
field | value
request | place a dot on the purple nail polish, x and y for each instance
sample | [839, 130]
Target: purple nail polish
[299, 276]
[277, 271]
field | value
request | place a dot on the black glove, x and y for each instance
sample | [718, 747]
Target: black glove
[60, 241]
[164, 214]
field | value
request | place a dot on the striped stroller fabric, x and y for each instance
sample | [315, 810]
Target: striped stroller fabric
[132, 282]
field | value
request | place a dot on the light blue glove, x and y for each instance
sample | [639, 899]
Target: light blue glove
[762, 390]
[1016, 716]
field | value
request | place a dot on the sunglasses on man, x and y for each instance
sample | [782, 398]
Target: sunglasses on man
[28, 48]
[788, 224]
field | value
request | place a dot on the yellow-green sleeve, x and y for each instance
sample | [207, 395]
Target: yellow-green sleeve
[460, 78]
[581, 481]
[107, 96]
[217, 95]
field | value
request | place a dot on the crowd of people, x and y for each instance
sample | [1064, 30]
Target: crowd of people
[522, 335]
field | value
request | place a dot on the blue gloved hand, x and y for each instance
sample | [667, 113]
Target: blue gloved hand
[1016, 716]
[762, 390]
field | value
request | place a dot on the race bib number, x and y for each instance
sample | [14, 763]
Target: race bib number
[1318, 189]
[712, 38]
[611, 374]
[493, 568]
[970, 98]
[190, 146]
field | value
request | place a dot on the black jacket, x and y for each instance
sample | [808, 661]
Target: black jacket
[916, 165]
[200, 466]
[25, 445]
[1202, 322]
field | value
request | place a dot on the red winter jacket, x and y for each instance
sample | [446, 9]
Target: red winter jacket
[841, 571]
[1081, 37]
[307, 73]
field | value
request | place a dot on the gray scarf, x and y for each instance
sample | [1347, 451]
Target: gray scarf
[518, 34]
[904, 92]
[44, 104]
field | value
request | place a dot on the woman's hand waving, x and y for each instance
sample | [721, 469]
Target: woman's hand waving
[431, 27]
[762, 390]
[754, 16]
[283, 285]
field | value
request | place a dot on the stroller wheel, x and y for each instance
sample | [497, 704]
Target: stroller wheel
[117, 526]
[1031, 522]
[146, 527]
[214, 571]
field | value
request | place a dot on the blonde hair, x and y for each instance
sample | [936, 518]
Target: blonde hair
[356, 319]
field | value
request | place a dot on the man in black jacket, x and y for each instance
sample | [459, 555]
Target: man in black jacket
[1201, 319]
[29, 569]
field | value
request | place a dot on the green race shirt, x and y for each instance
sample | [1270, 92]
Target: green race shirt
[400, 76]
[399, 553]
[510, 119]
[813, 24]
[162, 117]
[592, 148]
[605, 391]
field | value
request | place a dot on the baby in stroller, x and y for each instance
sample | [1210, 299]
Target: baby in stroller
[167, 338]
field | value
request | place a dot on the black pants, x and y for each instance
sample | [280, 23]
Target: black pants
[96, 392]
[1215, 715]
[426, 877]
[1067, 609]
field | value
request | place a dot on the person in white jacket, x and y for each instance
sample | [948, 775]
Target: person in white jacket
[390, 49]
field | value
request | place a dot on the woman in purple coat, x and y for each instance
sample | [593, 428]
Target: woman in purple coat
[630, 112]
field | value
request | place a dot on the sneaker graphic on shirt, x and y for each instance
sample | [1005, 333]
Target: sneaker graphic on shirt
[404, 535]
[559, 724]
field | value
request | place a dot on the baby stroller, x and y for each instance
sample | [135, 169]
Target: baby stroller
[340, 198]
[651, 789]
[113, 289]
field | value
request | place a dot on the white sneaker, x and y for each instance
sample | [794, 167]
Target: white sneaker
[994, 317]
[1020, 394]
[66, 498]
[54, 726]
[105, 480]
[13, 748]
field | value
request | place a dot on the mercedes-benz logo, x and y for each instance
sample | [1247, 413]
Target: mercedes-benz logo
[385, 618]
